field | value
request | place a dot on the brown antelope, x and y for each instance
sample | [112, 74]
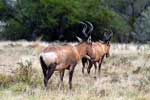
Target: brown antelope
[61, 57]
[97, 54]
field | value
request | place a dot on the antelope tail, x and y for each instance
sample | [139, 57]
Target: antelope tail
[43, 63]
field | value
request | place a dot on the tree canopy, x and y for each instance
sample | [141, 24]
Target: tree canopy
[59, 19]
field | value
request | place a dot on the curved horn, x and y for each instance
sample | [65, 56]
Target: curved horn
[89, 39]
[91, 29]
[84, 29]
[109, 37]
[104, 37]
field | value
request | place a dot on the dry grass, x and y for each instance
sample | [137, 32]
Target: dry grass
[125, 75]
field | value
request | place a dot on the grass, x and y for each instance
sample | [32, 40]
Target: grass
[125, 75]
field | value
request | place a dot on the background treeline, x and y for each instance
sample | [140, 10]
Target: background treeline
[59, 19]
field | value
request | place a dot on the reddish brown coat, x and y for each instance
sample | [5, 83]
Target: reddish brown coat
[99, 50]
[61, 57]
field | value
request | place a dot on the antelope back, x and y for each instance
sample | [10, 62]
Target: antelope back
[99, 50]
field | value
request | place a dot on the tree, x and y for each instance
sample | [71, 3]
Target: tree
[130, 9]
[59, 18]
[142, 30]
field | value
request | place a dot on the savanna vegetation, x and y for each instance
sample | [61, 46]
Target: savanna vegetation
[124, 75]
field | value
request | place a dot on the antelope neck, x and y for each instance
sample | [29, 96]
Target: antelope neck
[81, 48]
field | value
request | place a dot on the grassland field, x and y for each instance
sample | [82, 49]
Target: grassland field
[125, 75]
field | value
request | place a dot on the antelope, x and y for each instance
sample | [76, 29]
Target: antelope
[97, 54]
[61, 57]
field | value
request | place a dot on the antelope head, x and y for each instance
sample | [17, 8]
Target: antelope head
[107, 40]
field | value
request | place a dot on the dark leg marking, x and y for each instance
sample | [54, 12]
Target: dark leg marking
[61, 78]
[71, 75]
[90, 66]
[95, 65]
[50, 71]
[99, 67]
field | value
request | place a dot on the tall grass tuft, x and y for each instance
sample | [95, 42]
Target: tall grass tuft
[24, 72]
[5, 80]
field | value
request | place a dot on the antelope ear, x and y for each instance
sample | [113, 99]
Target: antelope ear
[89, 39]
[79, 39]
[109, 37]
